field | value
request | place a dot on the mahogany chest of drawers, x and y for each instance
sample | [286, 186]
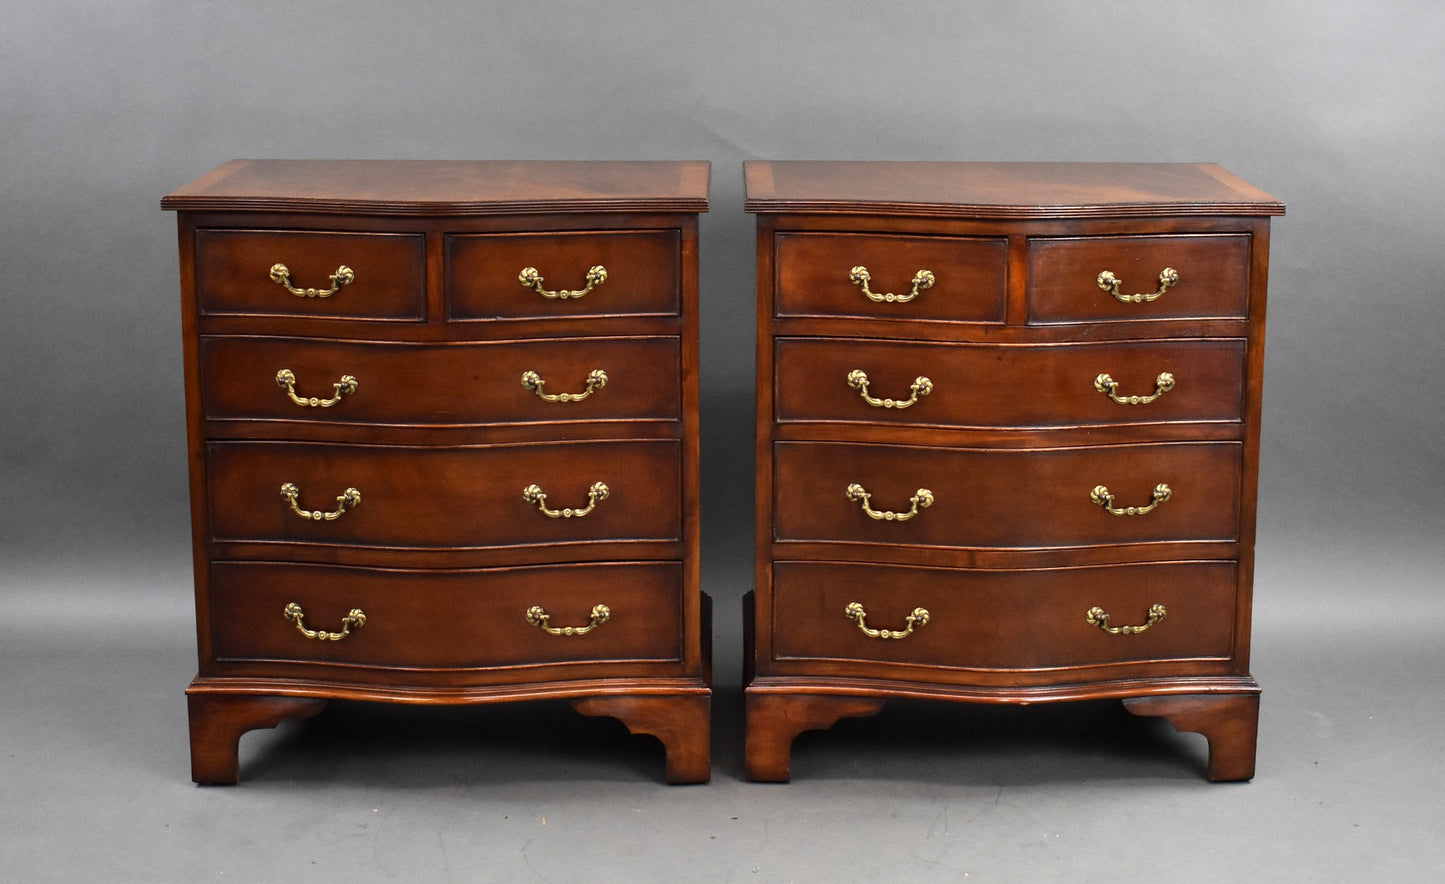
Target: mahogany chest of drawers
[1007, 444]
[443, 442]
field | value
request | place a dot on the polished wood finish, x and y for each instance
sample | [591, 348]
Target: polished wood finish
[969, 275]
[1230, 722]
[443, 554]
[1215, 285]
[775, 720]
[1013, 553]
[675, 721]
[462, 496]
[218, 721]
[390, 282]
[988, 385]
[453, 188]
[1002, 191]
[998, 498]
[473, 620]
[1016, 626]
[455, 384]
[642, 274]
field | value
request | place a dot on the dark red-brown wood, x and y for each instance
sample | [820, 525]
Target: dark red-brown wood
[681, 723]
[473, 620]
[987, 385]
[388, 279]
[443, 554]
[814, 276]
[1230, 722]
[1011, 439]
[456, 497]
[775, 720]
[1030, 625]
[457, 384]
[1000, 191]
[1016, 498]
[1213, 275]
[218, 722]
[446, 187]
[483, 271]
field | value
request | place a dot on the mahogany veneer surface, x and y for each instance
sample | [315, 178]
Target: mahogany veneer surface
[994, 480]
[450, 535]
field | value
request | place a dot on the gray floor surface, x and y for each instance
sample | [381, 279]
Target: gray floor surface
[94, 766]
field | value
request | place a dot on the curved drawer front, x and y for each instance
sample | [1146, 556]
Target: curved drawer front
[1213, 278]
[977, 385]
[441, 384]
[1004, 619]
[234, 274]
[1007, 498]
[815, 276]
[455, 497]
[643, 274]
[445, 619]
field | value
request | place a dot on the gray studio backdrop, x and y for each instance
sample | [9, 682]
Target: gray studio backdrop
[1336, 108]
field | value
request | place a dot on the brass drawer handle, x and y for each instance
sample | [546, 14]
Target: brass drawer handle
[858, 380]
[533, 494]
[1110, 387]
[286, 380]
[348, 499]
[1110, 283]
[859, 276]
[538, 616]
[596, 380]
[1101, 496]
[922, 499]
[1096, 617]
[355, 619]
[282, 276]
[855, 612]
[529, 277]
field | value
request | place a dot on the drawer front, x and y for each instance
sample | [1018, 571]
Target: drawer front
[236, 274]
[1212, 281]
[1008, 386]
[456, 497]
[1004, 619]
[1006, 498]
[815, 276]
[441, 383]
[643, 274]
[445, 619]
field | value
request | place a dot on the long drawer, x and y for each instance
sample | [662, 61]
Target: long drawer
[487, 275]
[983, 385]
[1020, 498]
[569, 379]
[998, 620]
[311, 273]
[446, 619]
[453, 497]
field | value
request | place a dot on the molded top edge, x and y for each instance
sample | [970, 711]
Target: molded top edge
[447, 187]
[1002, 190]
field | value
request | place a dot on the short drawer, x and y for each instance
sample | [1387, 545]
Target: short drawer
[1001, 620]
[983, 385]
[454, 497]
[1006, 498]
[564, 274]
[445, 619]
[879, 276]
[1210, 278]
[351, 382]
[304, 273]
